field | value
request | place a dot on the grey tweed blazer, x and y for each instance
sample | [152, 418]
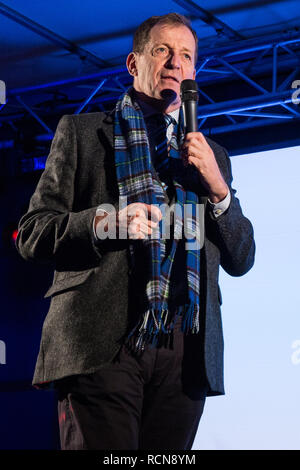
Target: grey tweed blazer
[90, 295]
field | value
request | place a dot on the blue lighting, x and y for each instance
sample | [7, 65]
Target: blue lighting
[5, 144]
[39, 162]
[29, 165]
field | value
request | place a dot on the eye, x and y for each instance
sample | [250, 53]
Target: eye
[187, 56]
[161, 51]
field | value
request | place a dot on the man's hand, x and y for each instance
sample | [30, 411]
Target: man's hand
[135, 221]
[196, 151]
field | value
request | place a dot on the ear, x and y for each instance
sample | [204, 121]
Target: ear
[194, 74]
[131, 64]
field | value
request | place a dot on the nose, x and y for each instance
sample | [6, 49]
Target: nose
[174, 61]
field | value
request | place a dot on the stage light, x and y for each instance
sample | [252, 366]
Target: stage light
[14, 235]
[9, 236]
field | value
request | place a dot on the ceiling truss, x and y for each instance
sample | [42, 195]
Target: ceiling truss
[258, 75]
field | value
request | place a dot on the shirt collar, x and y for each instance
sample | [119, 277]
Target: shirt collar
[149, 110]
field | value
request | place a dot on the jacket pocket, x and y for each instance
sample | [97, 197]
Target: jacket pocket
[67, 280]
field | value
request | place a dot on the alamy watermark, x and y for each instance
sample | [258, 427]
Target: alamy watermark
[295, 357]
[2, 352]
[178, 221]
[296, 94]
[2, 92]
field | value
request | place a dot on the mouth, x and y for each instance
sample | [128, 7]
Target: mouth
[169, 77]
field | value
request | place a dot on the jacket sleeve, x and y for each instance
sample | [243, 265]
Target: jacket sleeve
[51, 228]
[232, 232]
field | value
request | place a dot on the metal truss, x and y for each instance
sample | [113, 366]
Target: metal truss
[70, 46]
[256, 74]
[274, 57]
[207, 17]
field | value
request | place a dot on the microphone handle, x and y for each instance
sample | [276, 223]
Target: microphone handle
[190, 120]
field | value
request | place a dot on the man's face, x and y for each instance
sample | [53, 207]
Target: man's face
[167, 59]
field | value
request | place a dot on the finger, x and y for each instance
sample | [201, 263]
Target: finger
[153, 212]
[139, 225]
[143, 225]
[135, 209]
[142, 220]
[190, 135]
[195, 135]
[192, 160]
[136, 236]
[195, 142]
[191, 150]
[150, 211]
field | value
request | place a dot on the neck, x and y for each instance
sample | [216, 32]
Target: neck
[162, 106]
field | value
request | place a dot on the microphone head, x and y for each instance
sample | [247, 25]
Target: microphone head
[189, 90]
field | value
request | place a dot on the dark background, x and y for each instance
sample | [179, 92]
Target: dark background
[54, 58]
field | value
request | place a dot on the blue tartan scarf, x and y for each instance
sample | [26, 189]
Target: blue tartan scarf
[137, 181]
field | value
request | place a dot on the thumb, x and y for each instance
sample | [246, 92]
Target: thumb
[153, 212]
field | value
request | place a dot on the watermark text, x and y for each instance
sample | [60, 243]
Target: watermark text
[296, 94]
[177, 221]
[2, 92]
[295, 357]
[2, 352]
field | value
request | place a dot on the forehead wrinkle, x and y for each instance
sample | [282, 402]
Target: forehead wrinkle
[161, 34]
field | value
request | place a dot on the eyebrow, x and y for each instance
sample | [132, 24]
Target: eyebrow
[166, 44]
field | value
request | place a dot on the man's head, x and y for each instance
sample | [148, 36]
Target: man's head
[164, 54]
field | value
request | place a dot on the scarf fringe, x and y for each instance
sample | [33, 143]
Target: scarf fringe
[156, 328]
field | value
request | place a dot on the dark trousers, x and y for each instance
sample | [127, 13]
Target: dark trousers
[150, 402]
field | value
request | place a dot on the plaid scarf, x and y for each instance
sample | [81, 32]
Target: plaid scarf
[137, 181]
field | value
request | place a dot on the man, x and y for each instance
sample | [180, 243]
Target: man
[133, 337]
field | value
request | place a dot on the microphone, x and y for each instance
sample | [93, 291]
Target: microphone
[189, 103]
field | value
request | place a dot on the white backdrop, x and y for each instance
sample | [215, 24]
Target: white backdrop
[260, 311]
